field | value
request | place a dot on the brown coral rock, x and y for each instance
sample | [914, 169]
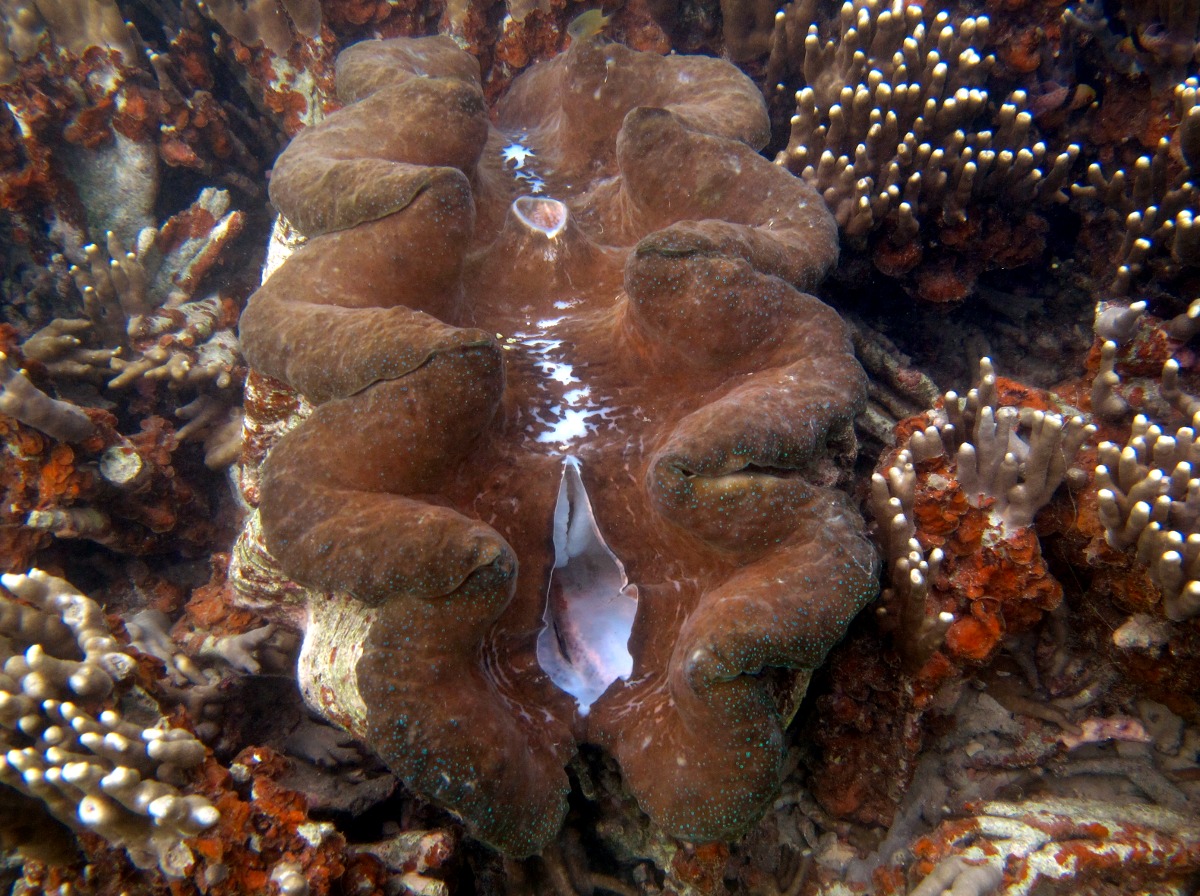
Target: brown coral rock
[627, 371]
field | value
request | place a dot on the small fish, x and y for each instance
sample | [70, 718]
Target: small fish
[587, 24]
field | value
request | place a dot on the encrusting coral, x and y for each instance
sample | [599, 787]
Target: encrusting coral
[662, 417]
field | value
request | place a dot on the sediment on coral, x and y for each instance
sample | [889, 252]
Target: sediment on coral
[717, 407]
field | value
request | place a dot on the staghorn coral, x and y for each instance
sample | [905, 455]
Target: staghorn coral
[1138, 363]
[1125, 593]
[892, 128]
[977, 795]
[684, 438]
[97, 120]
[90, 138]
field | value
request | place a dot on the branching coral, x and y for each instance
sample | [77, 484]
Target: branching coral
[68, 473]
[1155, 200]
[24, 401]
[86, 747]
[148, 321]
[269, 21]
[1035, 774]
[1149, 498]
[82, 159]
[282, 50]
[892, 128]
[1114, 798]
[99, 109]
[967, 525]
[1168, 34]
[136, 298]
[92, 766]
[709, 413]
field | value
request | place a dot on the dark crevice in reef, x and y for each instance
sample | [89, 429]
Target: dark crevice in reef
[1028, 323]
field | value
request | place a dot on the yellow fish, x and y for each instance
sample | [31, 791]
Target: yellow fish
[587, 24]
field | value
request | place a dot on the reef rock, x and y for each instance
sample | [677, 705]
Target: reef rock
[561, 358]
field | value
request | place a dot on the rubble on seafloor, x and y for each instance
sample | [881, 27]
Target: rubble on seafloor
[1018, 712]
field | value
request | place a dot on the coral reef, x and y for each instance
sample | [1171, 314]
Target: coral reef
[93, 768]
[145, 310]
[1146, 498]
[710, 480]
[1150, 204]
[955, 503]
[963, 690]
[891, 128]
[117, 491]
[71, 471]
[25, 402]
[965, 524]
[95, 741]
[571, 268]
[1050, 794]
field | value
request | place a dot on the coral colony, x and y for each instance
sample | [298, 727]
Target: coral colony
[663, 449]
